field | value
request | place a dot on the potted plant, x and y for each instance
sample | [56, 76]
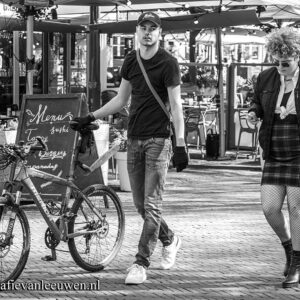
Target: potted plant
[246, 88]
[207, 81]
[121, 158]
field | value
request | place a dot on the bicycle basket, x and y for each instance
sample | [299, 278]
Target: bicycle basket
[6, 157]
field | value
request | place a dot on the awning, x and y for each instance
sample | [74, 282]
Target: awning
[11, 24]
[186, 22]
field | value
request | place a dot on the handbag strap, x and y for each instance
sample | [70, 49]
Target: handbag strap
[150, 85]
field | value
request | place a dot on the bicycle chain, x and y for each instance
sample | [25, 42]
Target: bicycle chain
[50, 240]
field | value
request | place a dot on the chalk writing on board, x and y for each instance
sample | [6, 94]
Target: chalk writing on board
[55, 130]
[52, 155]
[49, 166]
[47, 117]
[41, 116]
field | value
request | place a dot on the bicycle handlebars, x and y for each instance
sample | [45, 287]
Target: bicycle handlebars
[82, 128]
[41, 147]
[23, 150]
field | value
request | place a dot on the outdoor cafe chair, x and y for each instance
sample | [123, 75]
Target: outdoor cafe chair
[210, 120]
[199, 120]
[193, 121]
[246, 126]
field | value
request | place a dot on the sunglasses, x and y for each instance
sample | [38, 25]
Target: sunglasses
[284, 64]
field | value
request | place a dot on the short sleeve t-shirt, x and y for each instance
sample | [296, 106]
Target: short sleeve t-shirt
[146, 117]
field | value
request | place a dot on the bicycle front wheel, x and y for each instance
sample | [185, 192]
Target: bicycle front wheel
[14, 249]
[94, 251]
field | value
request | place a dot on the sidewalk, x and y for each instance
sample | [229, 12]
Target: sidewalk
[228, 249]
[229, 161]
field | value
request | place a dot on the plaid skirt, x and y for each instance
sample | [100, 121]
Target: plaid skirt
[283, 165]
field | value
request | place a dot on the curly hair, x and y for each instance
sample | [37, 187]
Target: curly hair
[283, 42]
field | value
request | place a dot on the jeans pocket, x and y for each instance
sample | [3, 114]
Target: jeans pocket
[161, 141]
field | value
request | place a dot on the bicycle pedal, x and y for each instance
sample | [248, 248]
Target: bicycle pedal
[48, 258]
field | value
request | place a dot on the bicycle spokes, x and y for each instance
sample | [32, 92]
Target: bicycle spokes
[14, 242]
[103, 221]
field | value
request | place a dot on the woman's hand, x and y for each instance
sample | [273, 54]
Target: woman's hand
[252, 118]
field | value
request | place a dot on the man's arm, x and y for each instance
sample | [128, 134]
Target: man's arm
[116, 103]
[177, 113]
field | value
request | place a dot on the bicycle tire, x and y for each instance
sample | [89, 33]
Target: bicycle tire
[94, 252]
[13, 257]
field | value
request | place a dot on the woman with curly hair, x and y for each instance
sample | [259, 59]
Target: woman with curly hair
[277, 103]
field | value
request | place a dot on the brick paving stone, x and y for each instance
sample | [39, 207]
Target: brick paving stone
[228, 249]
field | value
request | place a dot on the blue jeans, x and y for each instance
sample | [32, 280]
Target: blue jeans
[147, 163]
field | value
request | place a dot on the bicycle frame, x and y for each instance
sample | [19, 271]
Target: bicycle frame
[24, 175]
[60, 232]
[87, 211]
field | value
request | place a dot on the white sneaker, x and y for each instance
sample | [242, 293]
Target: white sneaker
[136, 274]
[169, 253]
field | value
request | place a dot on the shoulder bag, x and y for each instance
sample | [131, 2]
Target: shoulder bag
[156, 96]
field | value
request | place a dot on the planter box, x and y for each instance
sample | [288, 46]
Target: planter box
[121, 158]
[101, 136]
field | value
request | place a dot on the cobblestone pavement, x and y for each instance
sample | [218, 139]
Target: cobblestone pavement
[228, 249]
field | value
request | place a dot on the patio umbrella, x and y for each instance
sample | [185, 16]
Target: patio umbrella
[14, 24]
[186, 22]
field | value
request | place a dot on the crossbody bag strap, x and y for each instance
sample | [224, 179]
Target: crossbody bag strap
[150, 85]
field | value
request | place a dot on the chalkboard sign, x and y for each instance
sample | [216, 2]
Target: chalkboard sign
[48, 116]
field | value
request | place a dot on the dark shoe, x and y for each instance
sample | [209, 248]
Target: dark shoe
[293, 276]
[288, 248]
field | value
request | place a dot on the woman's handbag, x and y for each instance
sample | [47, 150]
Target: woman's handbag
[212, 144]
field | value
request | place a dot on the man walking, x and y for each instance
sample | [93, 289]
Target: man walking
[149, 144]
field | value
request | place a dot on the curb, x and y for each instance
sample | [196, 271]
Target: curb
[227, 162]
[224, 167]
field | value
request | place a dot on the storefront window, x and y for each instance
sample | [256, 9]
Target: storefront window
[245, 77]
[205, 83]
[38, 65]
[56, 64]
[118, 46]
[6, 70]
[78, 63]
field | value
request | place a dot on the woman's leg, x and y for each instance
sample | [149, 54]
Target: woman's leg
[293, 199]
[272, 198]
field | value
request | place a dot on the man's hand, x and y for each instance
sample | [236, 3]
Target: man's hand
[79, 122]
[180, 158]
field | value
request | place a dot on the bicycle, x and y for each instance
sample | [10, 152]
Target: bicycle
[91, 221]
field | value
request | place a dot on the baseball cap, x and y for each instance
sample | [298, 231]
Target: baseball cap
[149, 16]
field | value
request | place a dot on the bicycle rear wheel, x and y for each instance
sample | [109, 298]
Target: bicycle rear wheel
[96, 250]
[14, 250]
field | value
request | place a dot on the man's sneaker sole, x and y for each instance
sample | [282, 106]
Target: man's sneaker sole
[136, 282]
[136, 275]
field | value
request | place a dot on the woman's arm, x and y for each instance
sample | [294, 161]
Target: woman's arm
[255, 106]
